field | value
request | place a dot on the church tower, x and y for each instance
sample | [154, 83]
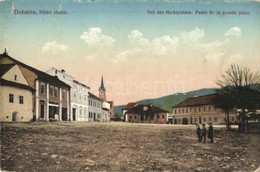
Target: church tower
[102, 90]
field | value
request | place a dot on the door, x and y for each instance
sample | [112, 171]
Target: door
[42, 111]
[14, 116]
[74, 114]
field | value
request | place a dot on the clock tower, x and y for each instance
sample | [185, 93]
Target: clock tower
[102, 90]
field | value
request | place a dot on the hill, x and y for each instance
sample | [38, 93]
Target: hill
[166, 102]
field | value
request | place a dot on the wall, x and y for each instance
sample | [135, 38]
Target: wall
[24, 111]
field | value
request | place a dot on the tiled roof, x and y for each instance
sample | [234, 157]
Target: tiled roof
[4, 82]
[196, 101]
[41, 75]
[93, 96]
[129, 106]
[4, 68]
[146, 108]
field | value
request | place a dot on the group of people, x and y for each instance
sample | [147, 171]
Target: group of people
[202, 133]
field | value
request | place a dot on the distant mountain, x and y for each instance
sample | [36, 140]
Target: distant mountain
[166, 102]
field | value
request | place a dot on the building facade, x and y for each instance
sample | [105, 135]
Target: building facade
[78, 95]
[199, 110]
[146, 114]
[95, 108]
[51, 97]
[16, 102]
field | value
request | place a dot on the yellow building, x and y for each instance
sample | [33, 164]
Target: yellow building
[16, 102]
[199, 110]
[51, 98]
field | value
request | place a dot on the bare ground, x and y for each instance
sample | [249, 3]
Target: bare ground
[79, 146]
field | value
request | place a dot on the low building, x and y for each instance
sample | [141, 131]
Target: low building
[200, 109]
[129, 106]
[16, 102]
[146, 114]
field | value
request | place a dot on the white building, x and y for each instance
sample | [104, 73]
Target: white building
[79, 95]
[95, 108]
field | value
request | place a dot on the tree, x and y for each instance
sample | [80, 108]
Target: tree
[240, 89]
[225, 101]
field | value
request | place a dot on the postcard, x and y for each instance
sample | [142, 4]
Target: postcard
[122, 53]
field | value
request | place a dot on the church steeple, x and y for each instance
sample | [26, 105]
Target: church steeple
[102, 90]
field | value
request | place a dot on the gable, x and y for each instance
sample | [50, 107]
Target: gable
[14, 74]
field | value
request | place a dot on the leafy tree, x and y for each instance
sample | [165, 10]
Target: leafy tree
[240, 89]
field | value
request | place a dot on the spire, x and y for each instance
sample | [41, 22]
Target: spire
[102, 87]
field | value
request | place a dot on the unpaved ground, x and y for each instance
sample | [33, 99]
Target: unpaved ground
[73, 146]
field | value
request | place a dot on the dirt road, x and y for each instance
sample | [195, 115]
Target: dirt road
[79, 146]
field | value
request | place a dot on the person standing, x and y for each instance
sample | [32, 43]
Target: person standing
[210, 133]
[203, 133]
[199, 132]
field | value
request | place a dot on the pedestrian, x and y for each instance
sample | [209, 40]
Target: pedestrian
[203, 133]
[210, 133]
[199, 132]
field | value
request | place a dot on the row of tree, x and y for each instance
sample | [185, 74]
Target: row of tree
[240, 90]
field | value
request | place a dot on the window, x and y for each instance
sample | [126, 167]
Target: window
[51, 91]
[199, 109]
[20, 99]
[15, 77]
[162, 116]
[11, 98]
[179, 111]
[186, 110]
[182, 110]
[204, 109]
[175, 111]
[64, 94]
[56, 91]
[209, 108]
[42, 88]
[94, 104]
[216, 119]
[85, 98]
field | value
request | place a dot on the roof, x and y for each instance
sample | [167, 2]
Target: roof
[129, 106]
[4, 82]
[4, 68]
[146, 109]
[110, 102]
[196, 101]
[41, 75]
[81, 84]
[94, 96]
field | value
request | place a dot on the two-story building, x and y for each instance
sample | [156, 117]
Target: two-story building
[16, 100]
[51, 98]
[200, 109]
[78, 95]
[95, 108]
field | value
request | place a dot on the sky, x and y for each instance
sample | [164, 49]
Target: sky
[143, 49]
